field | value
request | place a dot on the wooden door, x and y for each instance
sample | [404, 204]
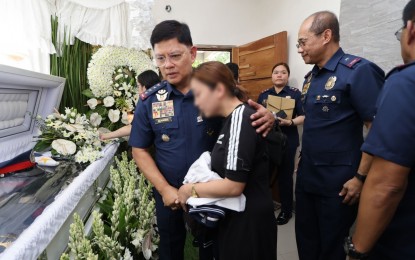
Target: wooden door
[256, 60]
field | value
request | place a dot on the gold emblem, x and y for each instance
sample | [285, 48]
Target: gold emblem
[330, 83]
[161, 95]
[326, 109]
[165, 138]
[318, 98]
[333, 98]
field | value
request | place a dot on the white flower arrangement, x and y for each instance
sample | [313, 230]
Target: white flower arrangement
[112, 76]
[125, 226]
[71, 136]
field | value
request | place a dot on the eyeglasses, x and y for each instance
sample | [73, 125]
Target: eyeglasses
[302, 42]
[398, 33]
[175, 58]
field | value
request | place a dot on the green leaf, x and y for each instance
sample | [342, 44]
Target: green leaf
[42, 146]
[88, 93]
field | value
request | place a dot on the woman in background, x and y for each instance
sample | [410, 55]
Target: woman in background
[145, 80]
[240, 158]
[280, 75]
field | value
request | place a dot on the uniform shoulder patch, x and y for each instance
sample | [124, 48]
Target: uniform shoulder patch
[264, 91]
[294, 89]
[153, 90]
[350, 61]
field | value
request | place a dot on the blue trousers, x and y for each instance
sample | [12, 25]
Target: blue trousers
[172, 232]
[321, 224]
[285, 179]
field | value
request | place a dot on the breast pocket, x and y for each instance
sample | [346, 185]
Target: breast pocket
[166, 133]
[327, 105]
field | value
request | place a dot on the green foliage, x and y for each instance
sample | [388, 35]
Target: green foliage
[124, 227]
[70, 62]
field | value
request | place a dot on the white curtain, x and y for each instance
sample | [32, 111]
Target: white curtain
[25, 30]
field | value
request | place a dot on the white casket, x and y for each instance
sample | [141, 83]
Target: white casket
[36, 205]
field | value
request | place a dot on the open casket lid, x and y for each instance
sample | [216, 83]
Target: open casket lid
[24, 95]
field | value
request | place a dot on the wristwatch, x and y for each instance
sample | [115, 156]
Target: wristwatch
[351, 251]
[360, 177]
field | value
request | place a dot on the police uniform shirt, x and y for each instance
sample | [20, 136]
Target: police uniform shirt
[392, 137]
[337, 99]
[168, 119]
[286, 92]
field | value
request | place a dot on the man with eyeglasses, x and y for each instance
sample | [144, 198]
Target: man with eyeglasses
[167, 118]
[386, 220]
[339, 97]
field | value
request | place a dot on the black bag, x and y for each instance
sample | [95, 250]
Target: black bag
[276, 145]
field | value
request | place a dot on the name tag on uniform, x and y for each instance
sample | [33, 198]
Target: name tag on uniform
[162, 109]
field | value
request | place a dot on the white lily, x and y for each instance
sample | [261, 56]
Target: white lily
[95, 119]
[92, 103]
[109, 101]
[114, 115]
[64, 147]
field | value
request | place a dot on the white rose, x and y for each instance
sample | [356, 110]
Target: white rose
[95, 119]
[109, 101]
[114, 115]
[68, 110]
[64, 147]
[92, 103]
[73, 114]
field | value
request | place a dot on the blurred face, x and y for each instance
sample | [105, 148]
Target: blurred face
[408, 42]
[141, 88]
[310, 46]
[175, 61]
[207, 100]
[280, 76]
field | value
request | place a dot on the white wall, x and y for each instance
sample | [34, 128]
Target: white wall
[236, 22]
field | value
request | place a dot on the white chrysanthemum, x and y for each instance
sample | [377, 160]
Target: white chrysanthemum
[92, 103]
[95, 119]
[64, 147]
[114, 115]
[106, 59]
[109, 101]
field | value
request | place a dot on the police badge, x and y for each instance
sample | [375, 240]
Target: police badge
[161, 95]
[330, 83]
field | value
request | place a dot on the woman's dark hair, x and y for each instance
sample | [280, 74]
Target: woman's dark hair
[235, 69]
[171, 29]
[213, 72]
[148, 78]
[282, 64]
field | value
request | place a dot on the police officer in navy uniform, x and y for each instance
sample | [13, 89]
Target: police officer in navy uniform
[386, 220]
[339, 97]
[167, 118]
[280, 75]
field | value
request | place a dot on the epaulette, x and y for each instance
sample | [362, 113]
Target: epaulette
[399, 68]
[308, 74]
[153, 90]
[294, 89]
[268, 89]
[350, 61]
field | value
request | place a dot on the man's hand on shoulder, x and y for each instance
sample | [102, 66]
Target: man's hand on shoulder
[263, 119]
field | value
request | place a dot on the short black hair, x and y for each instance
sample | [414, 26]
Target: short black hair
[235, 70]
[171, 29]
[148, 78]
[409, 12]
[326, 20]
[282, 64]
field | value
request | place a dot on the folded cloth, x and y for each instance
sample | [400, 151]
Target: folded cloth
[200, 171]
[207, 215]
